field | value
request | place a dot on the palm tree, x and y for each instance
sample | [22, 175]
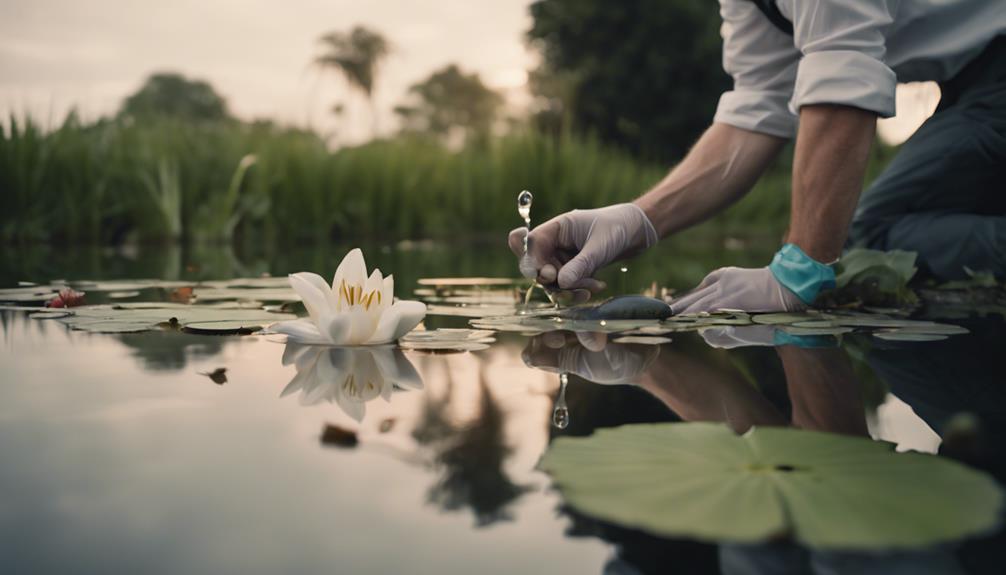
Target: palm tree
[356, 55]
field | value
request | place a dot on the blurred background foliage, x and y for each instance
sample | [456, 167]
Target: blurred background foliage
[622, 91]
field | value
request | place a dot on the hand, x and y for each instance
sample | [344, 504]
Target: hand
[751, 290]
[569, 248]
[731, 336]
[589, 356]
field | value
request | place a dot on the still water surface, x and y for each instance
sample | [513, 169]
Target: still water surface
[120, 455]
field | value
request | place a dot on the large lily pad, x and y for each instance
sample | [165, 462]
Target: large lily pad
[700, 480]
[147, 316]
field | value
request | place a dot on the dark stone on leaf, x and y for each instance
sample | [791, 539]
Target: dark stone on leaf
[624, 307]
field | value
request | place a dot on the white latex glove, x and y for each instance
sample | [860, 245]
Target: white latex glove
[731, 336]
[589, 356]
[570, 247]
[751, 290]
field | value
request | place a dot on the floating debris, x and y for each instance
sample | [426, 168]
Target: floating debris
[217, 376]
[339, 437]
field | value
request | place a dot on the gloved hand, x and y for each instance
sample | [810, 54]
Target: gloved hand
[570, 247]
[589, 356]
[789, 283]
[731, 336]
[751, 290]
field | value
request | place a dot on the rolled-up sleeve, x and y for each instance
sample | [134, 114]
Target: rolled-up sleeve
[843, 46]
[763, 63]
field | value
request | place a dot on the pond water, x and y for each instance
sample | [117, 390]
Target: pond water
[135, 452]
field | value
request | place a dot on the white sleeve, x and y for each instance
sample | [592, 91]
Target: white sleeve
[763, 63]
[843, 45]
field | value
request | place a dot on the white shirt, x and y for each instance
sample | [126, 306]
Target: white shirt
[850, 52]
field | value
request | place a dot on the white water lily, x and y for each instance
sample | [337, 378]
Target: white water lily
[349, 377]
[354, 310]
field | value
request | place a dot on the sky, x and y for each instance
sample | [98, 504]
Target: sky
[61, 54]
[57, 54]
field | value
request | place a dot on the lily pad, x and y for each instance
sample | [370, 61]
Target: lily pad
[142, 316]
[826, 491]
[223, 327]
[642, 339]
[781, 318]
[447, 339]
[835, 330]
[49, 314]
[468, 282]
[899, 335]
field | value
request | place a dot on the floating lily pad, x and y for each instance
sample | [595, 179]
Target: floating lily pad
[832, 331]
[471, 281]
[141, 316]
[828, 491]
[49, 314]
[447, 339]
[781, 318]
[902, 336]
[223, 327]
[28, 294]
[642, 339]
[122, 294]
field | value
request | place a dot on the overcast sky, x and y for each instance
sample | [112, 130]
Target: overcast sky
[57, 54]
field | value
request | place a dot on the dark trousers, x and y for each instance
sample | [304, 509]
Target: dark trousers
[944, 194]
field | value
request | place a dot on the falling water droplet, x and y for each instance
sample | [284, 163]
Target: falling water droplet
[560, 415]
[524, 200]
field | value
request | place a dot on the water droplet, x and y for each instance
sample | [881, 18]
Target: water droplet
[524, 201]
[560, 414]
[623, 269]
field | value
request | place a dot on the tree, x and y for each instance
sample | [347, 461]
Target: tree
[646, 74]
[450, 101]
[173, 95]
[355, 55]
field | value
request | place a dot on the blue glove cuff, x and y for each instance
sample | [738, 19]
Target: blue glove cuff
[800, 273]
[781, 338]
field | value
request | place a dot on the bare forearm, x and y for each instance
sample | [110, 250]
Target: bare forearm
[722, 166]
[832, 147]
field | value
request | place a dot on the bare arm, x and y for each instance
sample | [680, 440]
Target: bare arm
[722, 166]
[832, 147]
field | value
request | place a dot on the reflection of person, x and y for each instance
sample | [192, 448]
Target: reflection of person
[823, 72]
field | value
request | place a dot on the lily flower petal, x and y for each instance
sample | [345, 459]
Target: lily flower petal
[313, 290]
[396, 368]
[302, 330]
[397, 321]
[336, 326]
[352, 269]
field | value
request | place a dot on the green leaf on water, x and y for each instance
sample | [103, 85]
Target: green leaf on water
[903, 336]
[857, 261]
[826, 491]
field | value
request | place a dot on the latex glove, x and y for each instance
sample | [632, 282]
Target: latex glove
[589, 356]
[731, 336]
[751, 290]
[571, 247]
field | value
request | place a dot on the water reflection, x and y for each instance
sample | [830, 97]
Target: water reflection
[956, 386]
[469, 455]
[348, 376]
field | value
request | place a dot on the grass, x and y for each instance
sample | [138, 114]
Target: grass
[165, 180]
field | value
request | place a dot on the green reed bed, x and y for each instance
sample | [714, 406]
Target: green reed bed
[167, 180]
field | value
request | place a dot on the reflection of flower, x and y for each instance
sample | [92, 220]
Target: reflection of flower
[348, 376]
[355, 310]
